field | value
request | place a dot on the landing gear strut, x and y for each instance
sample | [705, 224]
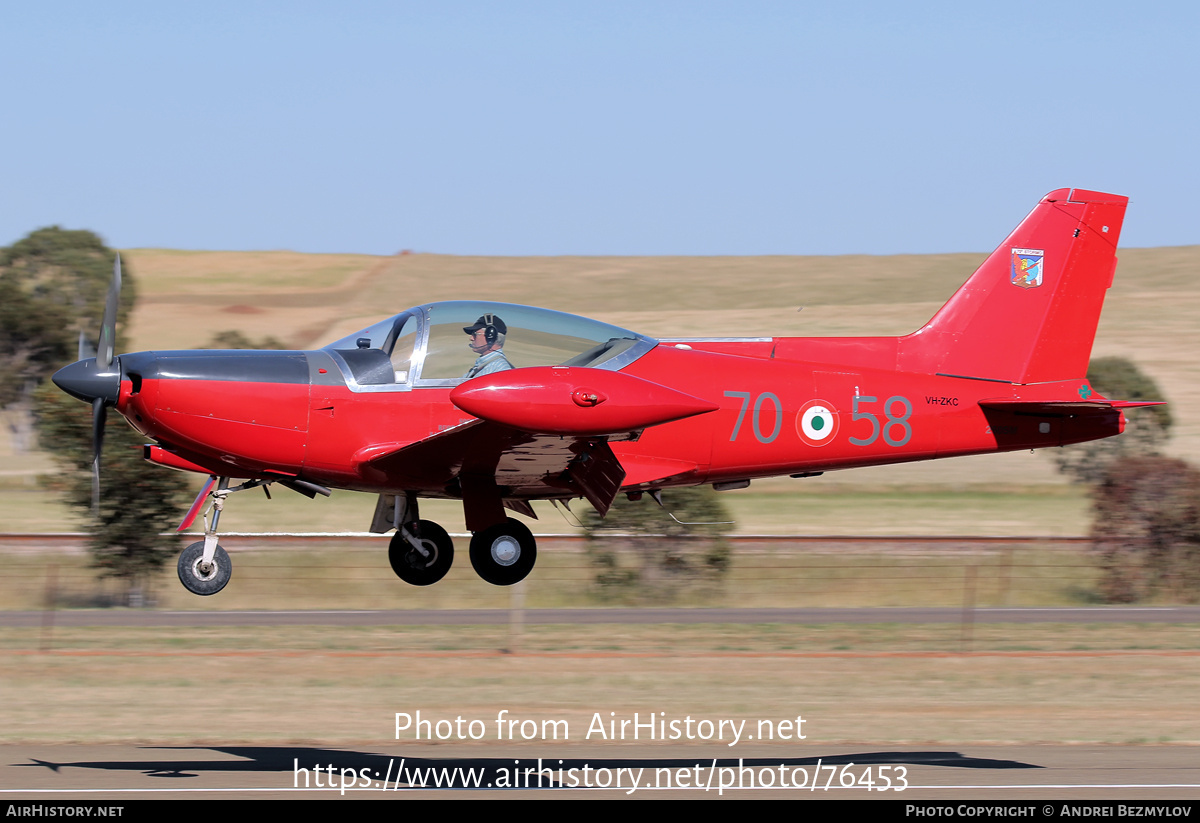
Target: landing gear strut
[421, 553]
[204, 567]
[504, 554]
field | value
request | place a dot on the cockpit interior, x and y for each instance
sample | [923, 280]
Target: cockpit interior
[426, 345]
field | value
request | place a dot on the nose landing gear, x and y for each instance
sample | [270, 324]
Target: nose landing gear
[205, 567]
[200, 576]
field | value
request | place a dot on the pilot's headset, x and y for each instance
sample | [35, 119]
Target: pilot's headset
[492, 326]
[489, 330]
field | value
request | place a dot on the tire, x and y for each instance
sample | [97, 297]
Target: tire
[504, 554]
[196, 581]
[414, 568]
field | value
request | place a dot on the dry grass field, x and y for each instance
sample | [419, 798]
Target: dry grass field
[347, 574]
[877, 683]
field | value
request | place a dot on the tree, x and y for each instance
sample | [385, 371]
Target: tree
[1146, 429]
[675, 554]
[1146, 529]
[138, 501]
[53, 285]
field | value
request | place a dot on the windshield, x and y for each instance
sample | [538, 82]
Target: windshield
[445, 343]
[380, 354]
[531, 337]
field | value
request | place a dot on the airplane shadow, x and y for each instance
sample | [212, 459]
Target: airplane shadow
[388, 771]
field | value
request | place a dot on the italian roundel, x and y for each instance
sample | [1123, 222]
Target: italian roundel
[817, 423]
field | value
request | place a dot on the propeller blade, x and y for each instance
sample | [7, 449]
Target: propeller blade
[99, 415]
[108, 326]
[104, 360]
[86, 351]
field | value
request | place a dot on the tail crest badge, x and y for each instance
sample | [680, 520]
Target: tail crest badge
[1027, 267]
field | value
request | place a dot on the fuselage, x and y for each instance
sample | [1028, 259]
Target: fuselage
[264, 414]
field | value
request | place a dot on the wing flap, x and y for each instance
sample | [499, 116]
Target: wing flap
[598, 473]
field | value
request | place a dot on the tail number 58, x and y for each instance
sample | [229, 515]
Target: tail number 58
[896, 430]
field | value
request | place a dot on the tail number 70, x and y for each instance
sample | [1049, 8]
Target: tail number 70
[890, 428]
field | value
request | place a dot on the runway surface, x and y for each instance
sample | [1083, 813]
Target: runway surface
[459, 617]
[116, 773]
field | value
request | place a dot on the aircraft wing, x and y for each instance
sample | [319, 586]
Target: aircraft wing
[524, 464]
[542, 432]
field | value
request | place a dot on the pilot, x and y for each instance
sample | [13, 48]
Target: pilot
[487, 340]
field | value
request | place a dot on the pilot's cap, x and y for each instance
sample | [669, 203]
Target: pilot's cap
[487, 320]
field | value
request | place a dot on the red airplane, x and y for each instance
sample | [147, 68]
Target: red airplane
[499, 405]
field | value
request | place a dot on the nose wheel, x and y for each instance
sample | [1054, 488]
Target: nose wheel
[504, 554]
[202, 578]
[421, 556]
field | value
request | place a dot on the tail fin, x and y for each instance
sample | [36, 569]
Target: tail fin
[1029, 313]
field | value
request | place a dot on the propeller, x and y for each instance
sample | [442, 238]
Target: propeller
[104, 357]
[108, 325]
[99, 418]
[86, 349]
[94, 378]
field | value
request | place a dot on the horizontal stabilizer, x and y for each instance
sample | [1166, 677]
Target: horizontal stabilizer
[1136, 404]
[1059, 408]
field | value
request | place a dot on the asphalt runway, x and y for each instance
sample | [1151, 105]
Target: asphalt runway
[116, 773]
[456, 617]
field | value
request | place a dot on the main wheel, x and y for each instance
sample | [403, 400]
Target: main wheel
[200, 580]
[504, 554]
[414, 568]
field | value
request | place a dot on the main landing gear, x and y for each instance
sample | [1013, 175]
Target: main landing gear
[421, 552]
[504, 554]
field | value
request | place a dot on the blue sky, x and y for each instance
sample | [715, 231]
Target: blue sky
[593, 128]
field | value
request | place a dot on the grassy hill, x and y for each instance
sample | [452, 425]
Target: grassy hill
[1152, 315]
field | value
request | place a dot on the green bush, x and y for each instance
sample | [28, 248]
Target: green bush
[1146, 530]
[1146, 429]
[639, 553]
